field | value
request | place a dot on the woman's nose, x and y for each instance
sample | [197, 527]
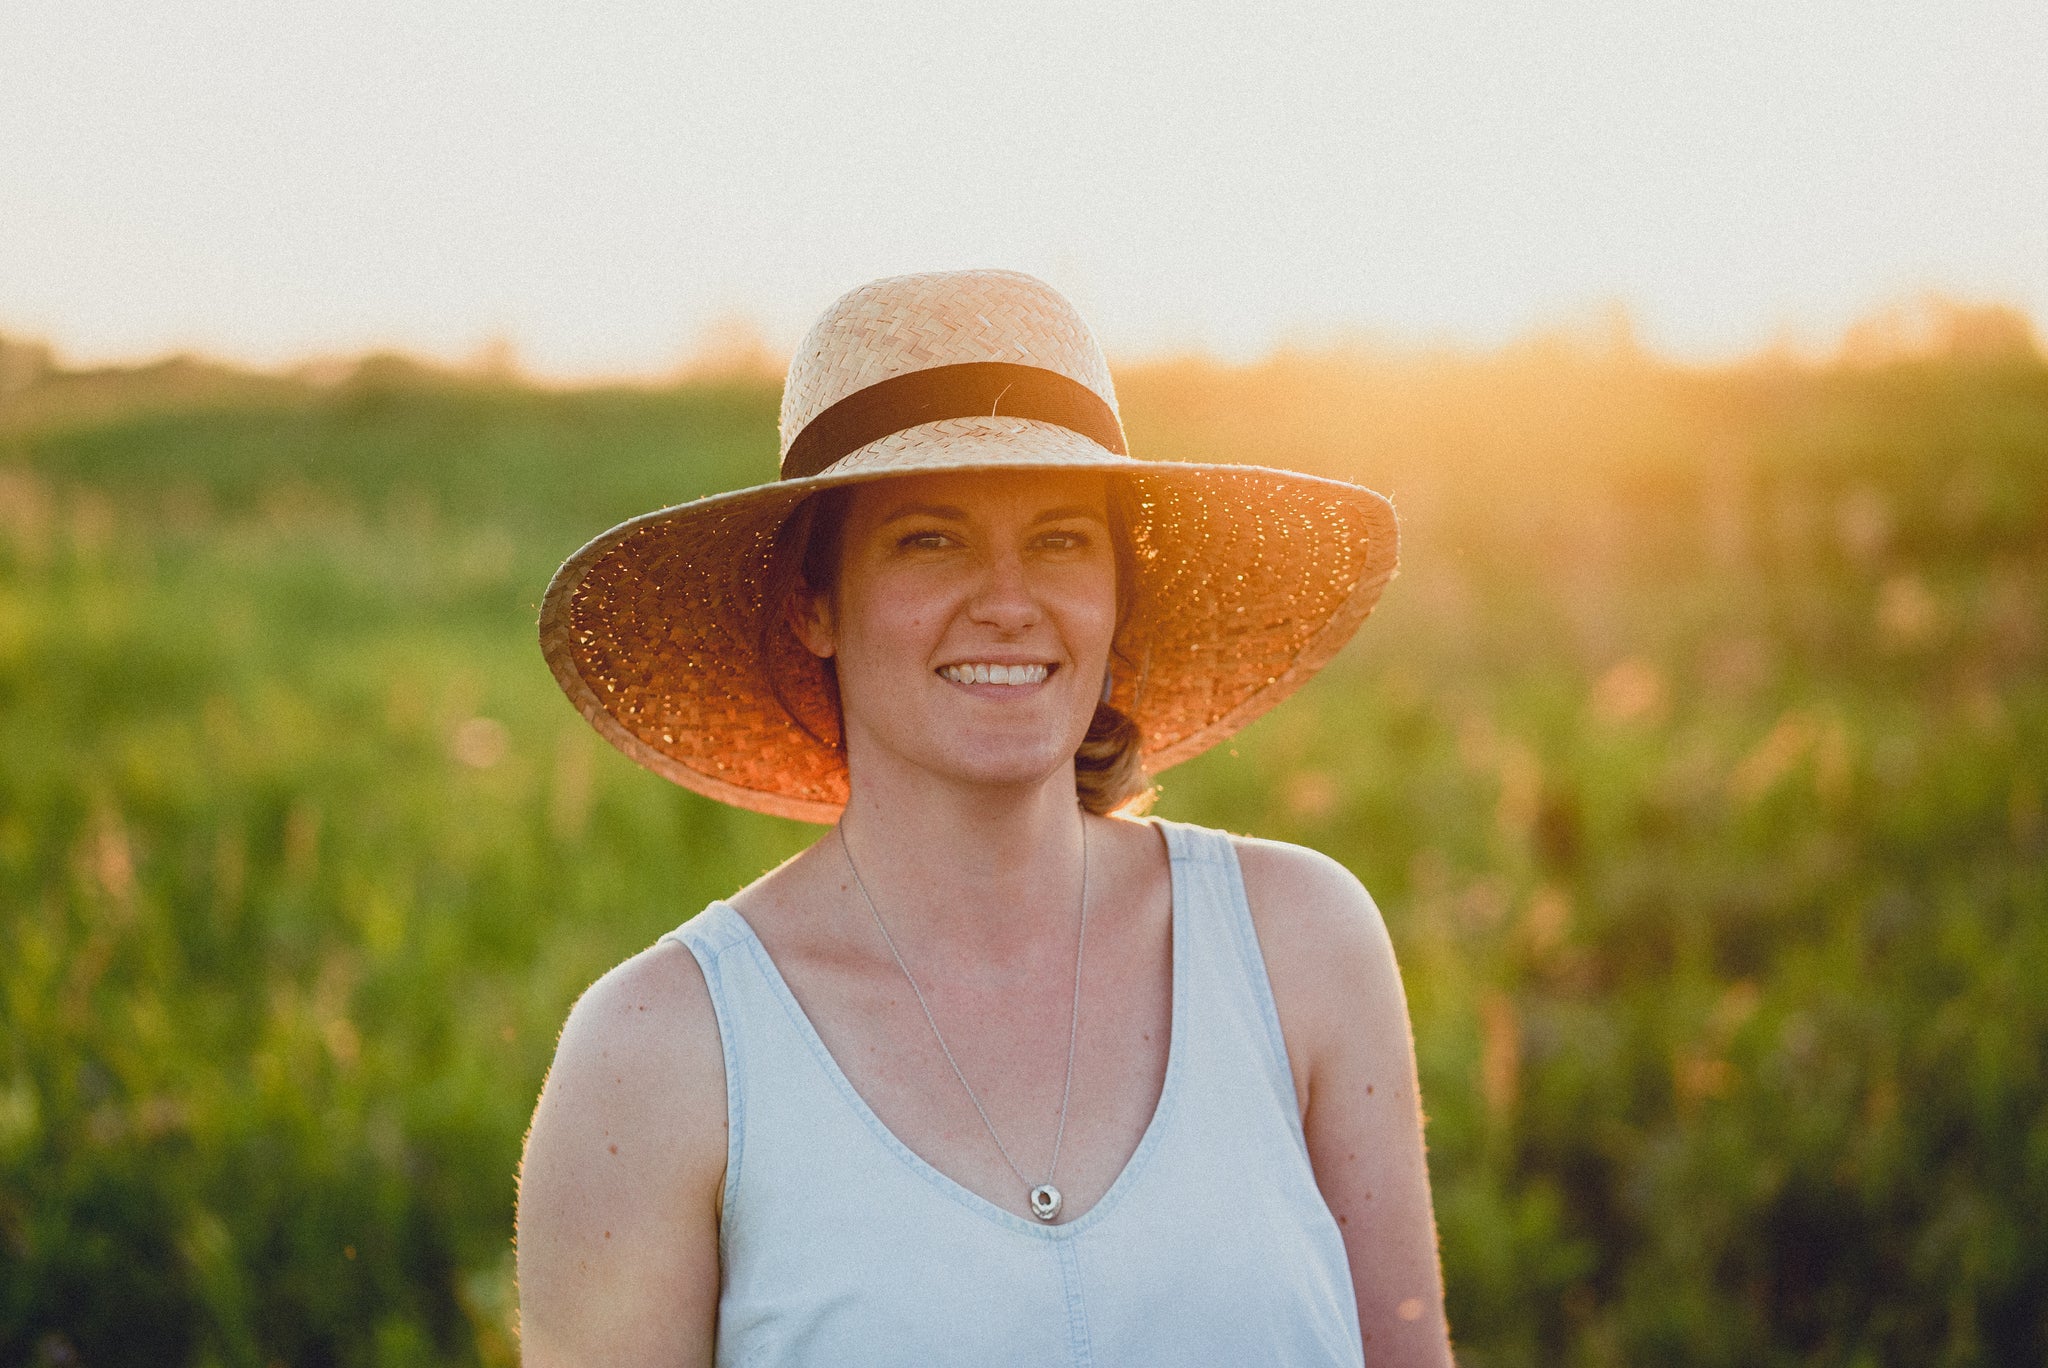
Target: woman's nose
[1002, 598]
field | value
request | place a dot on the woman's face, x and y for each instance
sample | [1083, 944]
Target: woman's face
[972, 623]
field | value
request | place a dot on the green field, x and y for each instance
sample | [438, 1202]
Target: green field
[1697, 760]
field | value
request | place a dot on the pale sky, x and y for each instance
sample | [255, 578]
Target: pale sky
[600, 180]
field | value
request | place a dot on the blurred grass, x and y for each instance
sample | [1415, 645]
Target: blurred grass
[1697, 760]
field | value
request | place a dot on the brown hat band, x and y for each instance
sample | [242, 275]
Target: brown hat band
[972, 389]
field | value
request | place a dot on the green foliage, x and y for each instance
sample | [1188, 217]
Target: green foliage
[1697, 761]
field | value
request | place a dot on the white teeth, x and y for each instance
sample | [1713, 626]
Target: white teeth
[996, 674]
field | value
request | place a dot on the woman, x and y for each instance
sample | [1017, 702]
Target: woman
[989, 1074]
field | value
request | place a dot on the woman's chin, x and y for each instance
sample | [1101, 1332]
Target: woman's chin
[1002, 759]
[1006, 768]
[1002, 770]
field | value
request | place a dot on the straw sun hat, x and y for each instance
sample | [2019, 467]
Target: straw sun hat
[1250, 579]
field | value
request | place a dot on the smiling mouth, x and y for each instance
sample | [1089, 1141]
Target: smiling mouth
[995, 674]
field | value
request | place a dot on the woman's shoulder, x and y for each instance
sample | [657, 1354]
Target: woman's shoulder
[641, 1056]
[1326, 947]
[1299, 891]
[621, 1183]
[649, 1021]
[1313, 887]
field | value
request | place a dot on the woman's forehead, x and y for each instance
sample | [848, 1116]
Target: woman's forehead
[984, 494]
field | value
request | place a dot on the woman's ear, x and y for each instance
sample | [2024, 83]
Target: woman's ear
[810, 618]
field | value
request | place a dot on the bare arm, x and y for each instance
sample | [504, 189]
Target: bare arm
[1345, 1019]
[620, 1187]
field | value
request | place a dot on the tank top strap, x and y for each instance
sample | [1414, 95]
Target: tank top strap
[709, 937]
[711, 932]
[1223, 954]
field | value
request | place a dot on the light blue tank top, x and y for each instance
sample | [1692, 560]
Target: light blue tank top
[841, 1247]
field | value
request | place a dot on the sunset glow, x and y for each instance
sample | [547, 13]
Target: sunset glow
[600, 185]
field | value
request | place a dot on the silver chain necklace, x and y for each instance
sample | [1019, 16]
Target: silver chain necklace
[1044, 1197]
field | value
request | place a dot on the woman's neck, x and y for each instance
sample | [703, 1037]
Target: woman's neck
[989, 872]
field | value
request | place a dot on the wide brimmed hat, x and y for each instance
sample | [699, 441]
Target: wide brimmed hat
[1249, 579]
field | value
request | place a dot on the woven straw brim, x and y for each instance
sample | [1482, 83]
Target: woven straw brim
[1250, 580]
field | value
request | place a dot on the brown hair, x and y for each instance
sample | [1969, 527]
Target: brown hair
[1109, 770]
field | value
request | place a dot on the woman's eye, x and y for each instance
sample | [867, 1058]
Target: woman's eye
[1064, 541]
[923, 541]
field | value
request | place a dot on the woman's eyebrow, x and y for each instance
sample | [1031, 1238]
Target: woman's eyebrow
[1070, 511]
[918, 510]
[948, 512]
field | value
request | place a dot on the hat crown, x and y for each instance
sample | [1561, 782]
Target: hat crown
[908, 323]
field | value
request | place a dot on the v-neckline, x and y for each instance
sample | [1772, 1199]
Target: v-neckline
[1178, 936]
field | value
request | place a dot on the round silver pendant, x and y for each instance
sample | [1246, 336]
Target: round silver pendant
[1045, 1201]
